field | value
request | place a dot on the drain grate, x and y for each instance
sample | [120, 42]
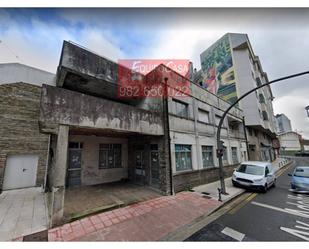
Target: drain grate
[205, 193]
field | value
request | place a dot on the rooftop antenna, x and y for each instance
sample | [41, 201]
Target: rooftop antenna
[7, 47]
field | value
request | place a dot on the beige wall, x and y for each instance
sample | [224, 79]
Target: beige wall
[91, 174]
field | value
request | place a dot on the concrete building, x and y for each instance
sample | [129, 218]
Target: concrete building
[16, 72]
[283, 123]
[290, 143]
[229, 68]
[83, 141]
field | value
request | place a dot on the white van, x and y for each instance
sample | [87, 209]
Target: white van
[254, 175]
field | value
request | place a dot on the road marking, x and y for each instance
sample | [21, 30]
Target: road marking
[249, 198]
[289, 211]
[298, 233]
[233, 233]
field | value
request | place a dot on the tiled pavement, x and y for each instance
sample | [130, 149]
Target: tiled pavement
[146, 221]
[81, 199]
[22, 212]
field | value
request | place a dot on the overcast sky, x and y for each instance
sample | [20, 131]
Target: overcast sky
[280, 37]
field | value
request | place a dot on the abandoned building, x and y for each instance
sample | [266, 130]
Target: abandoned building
[85, 142]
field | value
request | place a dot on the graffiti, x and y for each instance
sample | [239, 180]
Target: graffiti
[218, 75]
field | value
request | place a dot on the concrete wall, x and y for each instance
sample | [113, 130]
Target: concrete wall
[187, 180]
[15, 72]
[91, 174]
[289, 141]
[19, 126]
[61, 106]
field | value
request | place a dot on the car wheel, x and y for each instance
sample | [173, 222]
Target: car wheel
[265, 187]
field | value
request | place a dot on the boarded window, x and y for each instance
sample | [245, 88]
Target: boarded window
[203, 116]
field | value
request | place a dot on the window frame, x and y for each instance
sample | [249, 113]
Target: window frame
[203, 112]
[110, 148]
[176, 103]
[208, 149]
[183, 152]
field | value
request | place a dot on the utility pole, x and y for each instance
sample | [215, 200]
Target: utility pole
[220, 146]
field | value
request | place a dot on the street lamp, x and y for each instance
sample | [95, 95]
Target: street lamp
[307, 109]
[220, 143]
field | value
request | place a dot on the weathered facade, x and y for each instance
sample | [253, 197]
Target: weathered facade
[84, 134]
[193, 121]
[97, 137]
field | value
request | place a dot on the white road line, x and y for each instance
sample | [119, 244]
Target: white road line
[289, 211]
[233, 233]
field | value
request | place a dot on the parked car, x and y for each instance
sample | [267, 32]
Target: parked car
[254, 175]
[300, 180]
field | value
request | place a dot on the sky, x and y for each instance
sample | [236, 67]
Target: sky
[280, 37]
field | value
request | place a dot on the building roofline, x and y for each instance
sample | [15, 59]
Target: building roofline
[24, 65]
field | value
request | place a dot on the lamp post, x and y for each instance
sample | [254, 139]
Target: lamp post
[220, 143]
[307, 109]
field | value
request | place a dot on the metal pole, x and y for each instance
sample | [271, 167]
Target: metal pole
[220, 145]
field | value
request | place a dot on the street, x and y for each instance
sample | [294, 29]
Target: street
[278, 215]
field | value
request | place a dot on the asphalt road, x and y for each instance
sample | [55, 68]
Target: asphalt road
[277, 215]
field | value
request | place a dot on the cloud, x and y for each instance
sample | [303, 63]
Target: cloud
[295, 112]
[278, 36]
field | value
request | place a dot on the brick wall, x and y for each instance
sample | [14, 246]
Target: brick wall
[19, 128]
[183, 181]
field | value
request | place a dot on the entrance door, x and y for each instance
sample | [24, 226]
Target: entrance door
[140, 167]
[20, 171]
[74, 164]
[154, 164]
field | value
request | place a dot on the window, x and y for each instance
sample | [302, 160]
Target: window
[183, 157]
[207, 155]
[181, 109]
[75, 145]
[234, 155]
[258, 81]
[265, 115]
[203, 116]
[250, 131]
[109, 156]
[255, 133]
[261, 98]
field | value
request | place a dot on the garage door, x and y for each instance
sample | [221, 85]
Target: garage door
[20, 171]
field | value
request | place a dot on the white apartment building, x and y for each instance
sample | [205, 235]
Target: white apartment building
[229, 69]
[283, 123]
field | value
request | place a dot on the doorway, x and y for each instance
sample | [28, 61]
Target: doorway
[74, 164]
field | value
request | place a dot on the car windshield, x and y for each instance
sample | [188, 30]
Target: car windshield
[302, 172]
[251, 169]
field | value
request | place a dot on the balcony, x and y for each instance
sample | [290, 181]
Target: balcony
[84, 71]
[62, 106]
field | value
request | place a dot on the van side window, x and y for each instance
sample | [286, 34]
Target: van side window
[266, 171]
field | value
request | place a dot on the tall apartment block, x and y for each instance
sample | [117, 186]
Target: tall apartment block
[283, 123]
[229, 68]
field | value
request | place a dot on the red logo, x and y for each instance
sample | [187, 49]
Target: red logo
[153, 78]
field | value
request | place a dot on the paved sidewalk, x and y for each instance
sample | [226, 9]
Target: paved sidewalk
[211, 189]
[146, 221]
[22, 212]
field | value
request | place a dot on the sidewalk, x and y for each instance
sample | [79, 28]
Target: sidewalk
[151, 220]
[211, 189]
[146, 221]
